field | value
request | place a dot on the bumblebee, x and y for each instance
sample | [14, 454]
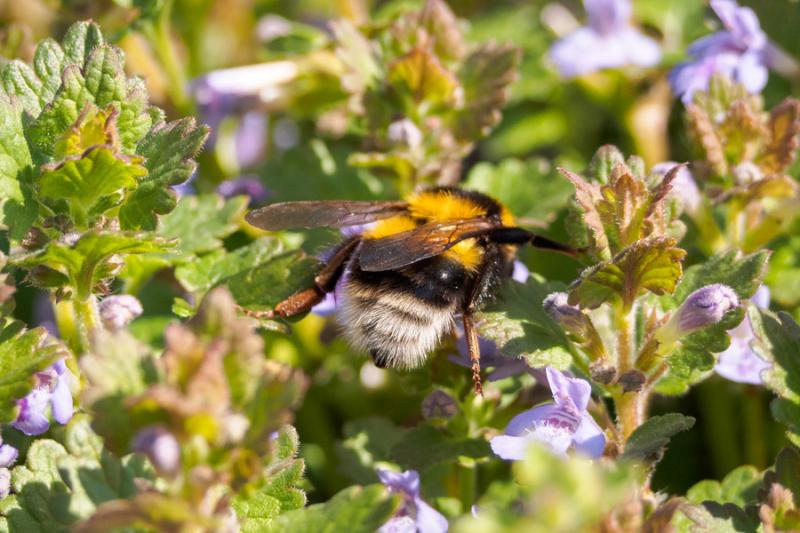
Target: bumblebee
[440, 255]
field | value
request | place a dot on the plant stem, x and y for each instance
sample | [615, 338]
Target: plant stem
[467, 483]
[159, 35]
[630, 410]
[87, 320]
[65, 322]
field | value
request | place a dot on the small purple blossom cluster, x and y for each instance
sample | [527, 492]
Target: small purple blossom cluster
[50, 392]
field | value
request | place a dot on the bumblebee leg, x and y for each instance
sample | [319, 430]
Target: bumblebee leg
[473, 348]
[324, 282]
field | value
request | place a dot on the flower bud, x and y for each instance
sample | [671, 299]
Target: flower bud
[438, 404]
[404, 133]
[245, 186]
[569, 317]
[116, 312]
[704, 307]
[160, 446]
[5, 482]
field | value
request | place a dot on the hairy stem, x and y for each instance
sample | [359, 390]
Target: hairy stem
[64, 313]
[87, 320]
[631, 408]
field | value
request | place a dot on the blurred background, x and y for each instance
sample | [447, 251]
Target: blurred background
[282, 132]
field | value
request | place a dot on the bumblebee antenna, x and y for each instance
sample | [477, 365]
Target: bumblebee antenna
[474, 350]
[523, 236]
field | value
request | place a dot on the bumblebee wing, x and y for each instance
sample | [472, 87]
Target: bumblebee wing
[425, 241]
[313, 214]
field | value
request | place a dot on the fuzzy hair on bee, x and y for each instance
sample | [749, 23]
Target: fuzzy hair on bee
[440, 255]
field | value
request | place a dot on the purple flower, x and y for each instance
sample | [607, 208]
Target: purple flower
[414, 514]
[570, 317]
[609, 41]
[51, 389]
[739, 362]
[118, 311]
[704, 307]
[520, 273]
[559, 426]
[741, 52]
[160, 446]
[249, 186]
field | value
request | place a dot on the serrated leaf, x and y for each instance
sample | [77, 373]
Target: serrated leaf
[256, 509]
[652, 265]
[743, 273]
[79, 41]
[355, 509]
[486, 76]
[528, 188]
[58, 486]
[48, 62]
[22, 354]
[648, 440]
[199, 223]
[104, 75]
[441, 26]
[84, 262]
[19, 209]
[739, 487]
[604, 161]
[421, 76]
[778, 338]
[521, 328]
[168, 150]
[264, 286]
[211, 269]
[91, 183]
[784, 137]
[439, 448]
[20, 81]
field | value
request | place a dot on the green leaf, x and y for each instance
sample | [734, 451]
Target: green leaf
[267, 284]
[19, 209]
[521, 328]
[22, 354]
[420, 76]
[439, 448]
[211, 269]
[256, 509]
[20, 80]
[743, 273]
[778, 338]
[58, 486]
[91, 183]
[739, 487]
[486, 76]
[355, 509]
[79, 41]
[201, 222]
[367, 442]
[648, 441]
[85, 262]
[652, 265]
[529, 189]
[168, 150]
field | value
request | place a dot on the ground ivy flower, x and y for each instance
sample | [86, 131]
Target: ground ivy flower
[559, 426]
[739, 362]
[8, 456]
[51, 390]
[741, 52]
[160, 446]
[704, 307]
[414, 514]
[249, 186]
[118, 311]
[608, 41]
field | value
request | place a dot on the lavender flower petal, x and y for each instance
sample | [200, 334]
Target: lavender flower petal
[31, 419]
[589, 439]
[8, 455]
[429, 520]
[569, 393]
[61, 403]
[607, 16]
